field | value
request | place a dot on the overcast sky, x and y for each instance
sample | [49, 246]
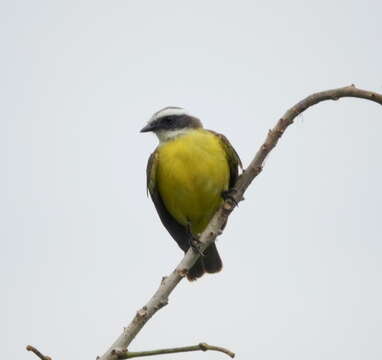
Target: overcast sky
[82, 247]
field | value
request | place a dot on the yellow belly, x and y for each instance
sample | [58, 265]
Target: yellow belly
[191, 175]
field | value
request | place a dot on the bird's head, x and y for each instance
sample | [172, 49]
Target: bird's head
[171, 122]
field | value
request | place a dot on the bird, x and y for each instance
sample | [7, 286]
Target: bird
[189, 175]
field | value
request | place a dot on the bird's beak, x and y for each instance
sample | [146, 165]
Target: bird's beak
[147, 128]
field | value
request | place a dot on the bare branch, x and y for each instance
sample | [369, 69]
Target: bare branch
[160, 297]
[200, 347]
[38, 353]
[255, 167]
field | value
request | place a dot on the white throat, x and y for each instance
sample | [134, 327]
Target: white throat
[166, 135]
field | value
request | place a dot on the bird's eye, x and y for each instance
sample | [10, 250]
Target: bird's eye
[168, 119]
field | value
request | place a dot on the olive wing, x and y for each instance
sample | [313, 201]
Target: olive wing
[233, 158]
[176, 230]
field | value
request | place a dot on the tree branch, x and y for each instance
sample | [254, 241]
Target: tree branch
[200, 347]
[214, 228]
[37, 353]
[255, 167]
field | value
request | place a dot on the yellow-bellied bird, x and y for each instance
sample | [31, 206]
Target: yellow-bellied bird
[188, 175]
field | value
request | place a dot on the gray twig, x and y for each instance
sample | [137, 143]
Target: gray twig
[125, 354]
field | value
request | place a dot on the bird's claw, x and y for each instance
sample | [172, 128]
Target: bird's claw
[195, 244]
[228, 195]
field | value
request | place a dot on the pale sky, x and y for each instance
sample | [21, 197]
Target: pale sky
[82, 247]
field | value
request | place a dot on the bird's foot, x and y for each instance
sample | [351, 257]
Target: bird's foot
[194, 241]
[229, 195]
[195, 244]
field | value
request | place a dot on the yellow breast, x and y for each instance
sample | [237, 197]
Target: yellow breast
[191, 175]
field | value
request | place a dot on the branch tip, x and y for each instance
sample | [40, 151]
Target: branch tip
[37, 353]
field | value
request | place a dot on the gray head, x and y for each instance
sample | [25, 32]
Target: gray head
[171, 122]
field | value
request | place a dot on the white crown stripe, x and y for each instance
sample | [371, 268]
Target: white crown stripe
[169, 111]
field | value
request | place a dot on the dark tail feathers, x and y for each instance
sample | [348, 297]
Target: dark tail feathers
[210, 263]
